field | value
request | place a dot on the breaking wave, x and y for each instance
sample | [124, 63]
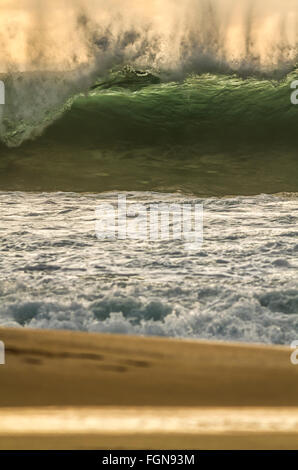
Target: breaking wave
[171, 61]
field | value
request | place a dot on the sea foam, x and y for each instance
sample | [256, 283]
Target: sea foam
[240, 285]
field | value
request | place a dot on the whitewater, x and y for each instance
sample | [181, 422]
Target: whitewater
[240, 285]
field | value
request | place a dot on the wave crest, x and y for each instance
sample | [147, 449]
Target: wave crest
[169, 39]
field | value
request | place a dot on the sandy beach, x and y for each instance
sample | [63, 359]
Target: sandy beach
[68, 390]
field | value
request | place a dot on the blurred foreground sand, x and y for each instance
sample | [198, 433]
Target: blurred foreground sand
[69, 390]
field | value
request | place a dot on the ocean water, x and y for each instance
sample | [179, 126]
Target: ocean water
[209, 135]
[162, 101]
[240, 285]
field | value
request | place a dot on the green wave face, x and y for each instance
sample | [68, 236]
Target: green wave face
[209, 134]
[207, 109]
